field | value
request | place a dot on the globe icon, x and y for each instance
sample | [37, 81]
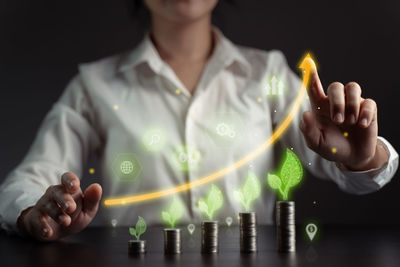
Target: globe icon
[126, 167]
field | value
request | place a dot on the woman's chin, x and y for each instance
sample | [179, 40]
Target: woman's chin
[189, 11]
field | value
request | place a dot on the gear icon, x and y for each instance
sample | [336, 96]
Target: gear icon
[224, 129]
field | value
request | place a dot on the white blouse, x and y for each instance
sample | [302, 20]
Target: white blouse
[150, 133]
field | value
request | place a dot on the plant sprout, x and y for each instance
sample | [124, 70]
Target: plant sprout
[290, 175]
[174, 213]
[212, 203]
[250, 191]
[139, 229]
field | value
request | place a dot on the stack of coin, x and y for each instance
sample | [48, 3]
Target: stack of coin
[137, 246]
[209, 237]
[248, 232]
[172, 241]
[286, 226]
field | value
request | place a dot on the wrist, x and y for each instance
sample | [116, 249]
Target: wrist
[379, 158]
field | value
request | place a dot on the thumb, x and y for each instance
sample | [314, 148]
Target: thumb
[91, 199]
[311, 132]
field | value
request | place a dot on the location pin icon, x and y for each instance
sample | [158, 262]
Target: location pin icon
[191, 228]
[311, 230]
[228, 221]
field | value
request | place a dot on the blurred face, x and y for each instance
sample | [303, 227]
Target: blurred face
[180, 10]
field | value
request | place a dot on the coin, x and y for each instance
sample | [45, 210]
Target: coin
[136, 246]
[286, 226]
[248, 232]
[172, 241]
[209, 237]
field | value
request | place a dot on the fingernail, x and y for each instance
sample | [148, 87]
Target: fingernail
[66, 205]
[364, 122]
[352, 119]
[45, 231]
[338, 117]
[71, 184]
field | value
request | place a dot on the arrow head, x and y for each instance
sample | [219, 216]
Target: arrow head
[308, 63]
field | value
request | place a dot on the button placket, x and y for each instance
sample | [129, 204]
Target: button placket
[190, 139]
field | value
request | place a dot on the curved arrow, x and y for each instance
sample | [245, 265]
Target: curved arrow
[307, 65]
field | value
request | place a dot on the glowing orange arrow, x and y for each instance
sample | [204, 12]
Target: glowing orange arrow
[307, 65]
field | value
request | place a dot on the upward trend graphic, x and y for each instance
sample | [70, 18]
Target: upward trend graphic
[307, 65]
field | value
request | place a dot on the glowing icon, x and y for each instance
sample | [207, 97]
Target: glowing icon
[228, 221]
[127, 167]
[311, 230]
[191, 227]
[114, 222]
[291, 174]
[274, 87]
[185, 158]
[190, 158]
[91, 171]
[155, 139]
[224, 129]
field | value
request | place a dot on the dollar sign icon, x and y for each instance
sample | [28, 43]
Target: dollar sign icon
[311, 230]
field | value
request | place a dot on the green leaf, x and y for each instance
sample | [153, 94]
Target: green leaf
[166, 217]
[251, 189]
[292, 170]
[132, 231]
[174, 213]
[214, 200]
[238, 195]
[140, 227]
[203, 207]
[274, 181]
[176, 210]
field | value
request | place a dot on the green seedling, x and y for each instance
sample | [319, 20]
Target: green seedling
[291, 174]
[212, 203]
[139, 229]
[250, 191]
[174, 213]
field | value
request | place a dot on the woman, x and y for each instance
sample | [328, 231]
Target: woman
[184, 103]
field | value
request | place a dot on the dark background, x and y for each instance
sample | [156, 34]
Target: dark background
[42, 41]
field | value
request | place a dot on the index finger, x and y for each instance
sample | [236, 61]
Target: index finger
[316, 91]
[71, 182]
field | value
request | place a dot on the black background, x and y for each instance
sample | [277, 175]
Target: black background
[41, 43]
